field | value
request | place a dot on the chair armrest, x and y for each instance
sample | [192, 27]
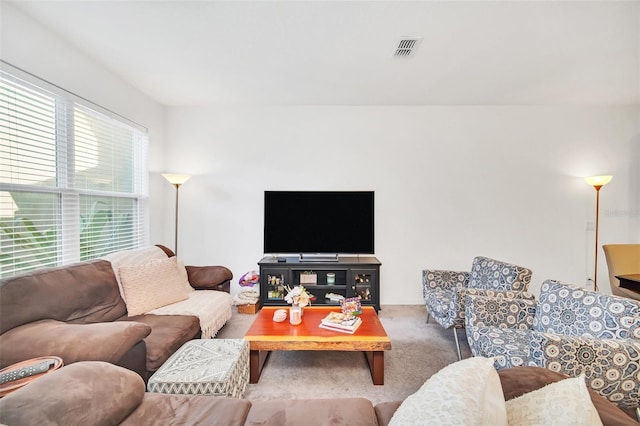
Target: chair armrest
[634, 330]
[610, 366]
[500, 294]
[210, 277]
[498, 311]
[443, 279]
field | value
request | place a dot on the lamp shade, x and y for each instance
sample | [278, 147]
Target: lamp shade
[598, 180]
[175, 178]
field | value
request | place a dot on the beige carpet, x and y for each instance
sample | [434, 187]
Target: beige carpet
[418, 350]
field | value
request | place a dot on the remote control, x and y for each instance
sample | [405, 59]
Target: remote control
[23, 372]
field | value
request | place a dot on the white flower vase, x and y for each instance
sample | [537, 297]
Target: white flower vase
[295, 314]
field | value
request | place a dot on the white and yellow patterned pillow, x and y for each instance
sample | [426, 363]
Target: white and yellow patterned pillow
[153, 284]
[467, 393]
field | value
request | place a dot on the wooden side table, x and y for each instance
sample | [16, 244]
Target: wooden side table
[630, 281]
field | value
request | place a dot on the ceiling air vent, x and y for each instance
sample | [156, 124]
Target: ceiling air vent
[406, 46]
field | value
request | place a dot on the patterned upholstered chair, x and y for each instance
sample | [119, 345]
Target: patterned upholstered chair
[444, 291]
[569, 330]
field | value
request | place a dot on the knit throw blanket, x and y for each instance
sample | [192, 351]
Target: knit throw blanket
[212, 307]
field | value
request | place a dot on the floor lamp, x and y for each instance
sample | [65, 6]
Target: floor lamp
[597, 182]
[176, 180]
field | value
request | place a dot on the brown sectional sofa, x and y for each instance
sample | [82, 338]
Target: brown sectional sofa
[87, 393]
[76, 312]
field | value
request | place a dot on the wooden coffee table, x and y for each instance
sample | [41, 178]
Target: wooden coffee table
[266, 335]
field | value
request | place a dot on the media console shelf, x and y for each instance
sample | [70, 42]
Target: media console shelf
[348, 276]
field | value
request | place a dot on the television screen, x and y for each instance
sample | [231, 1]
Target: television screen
[325, 222]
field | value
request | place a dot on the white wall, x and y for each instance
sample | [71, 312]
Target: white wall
[451, 182]
[27, 45]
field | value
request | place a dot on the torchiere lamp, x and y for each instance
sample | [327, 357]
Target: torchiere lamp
[597, 182]
[176, 180]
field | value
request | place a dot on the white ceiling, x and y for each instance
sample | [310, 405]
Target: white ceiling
[341, 52]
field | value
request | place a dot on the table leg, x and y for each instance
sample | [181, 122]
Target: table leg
[256, 362]
[376, 366]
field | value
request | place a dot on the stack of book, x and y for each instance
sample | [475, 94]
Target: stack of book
[344, 323]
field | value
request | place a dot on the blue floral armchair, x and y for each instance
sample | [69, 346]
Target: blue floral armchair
[445, 291]
[569, 330]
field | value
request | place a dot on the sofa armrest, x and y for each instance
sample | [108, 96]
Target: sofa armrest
[210, 277]
[83, 393]
[205, 277]
[443, 279]
[108, 341]
[385, 411]
[503, 312]
[610, 366]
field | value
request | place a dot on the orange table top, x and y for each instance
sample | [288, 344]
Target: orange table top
[266, 334]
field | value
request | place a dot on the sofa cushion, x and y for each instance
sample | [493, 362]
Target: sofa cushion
[153, 284]
[168, 333]
[164, 409]
[81, 293]
[463, 393]
[213, 309]
[336, 411]
[107, 341]
[565, 402]
[94, 392]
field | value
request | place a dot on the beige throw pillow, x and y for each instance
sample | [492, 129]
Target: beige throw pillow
[465, 393]
[153, 284]
[565, 403]
[183, 276]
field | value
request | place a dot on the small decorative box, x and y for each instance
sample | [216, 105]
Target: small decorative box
[250, 308]
[308, 278]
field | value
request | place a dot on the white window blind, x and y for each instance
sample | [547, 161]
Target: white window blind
[73, 178]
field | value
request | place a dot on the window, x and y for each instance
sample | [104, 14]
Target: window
[73, 177]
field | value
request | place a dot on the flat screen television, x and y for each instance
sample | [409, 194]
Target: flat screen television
[319, 222]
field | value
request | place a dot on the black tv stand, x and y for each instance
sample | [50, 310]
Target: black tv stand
[327, 280]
